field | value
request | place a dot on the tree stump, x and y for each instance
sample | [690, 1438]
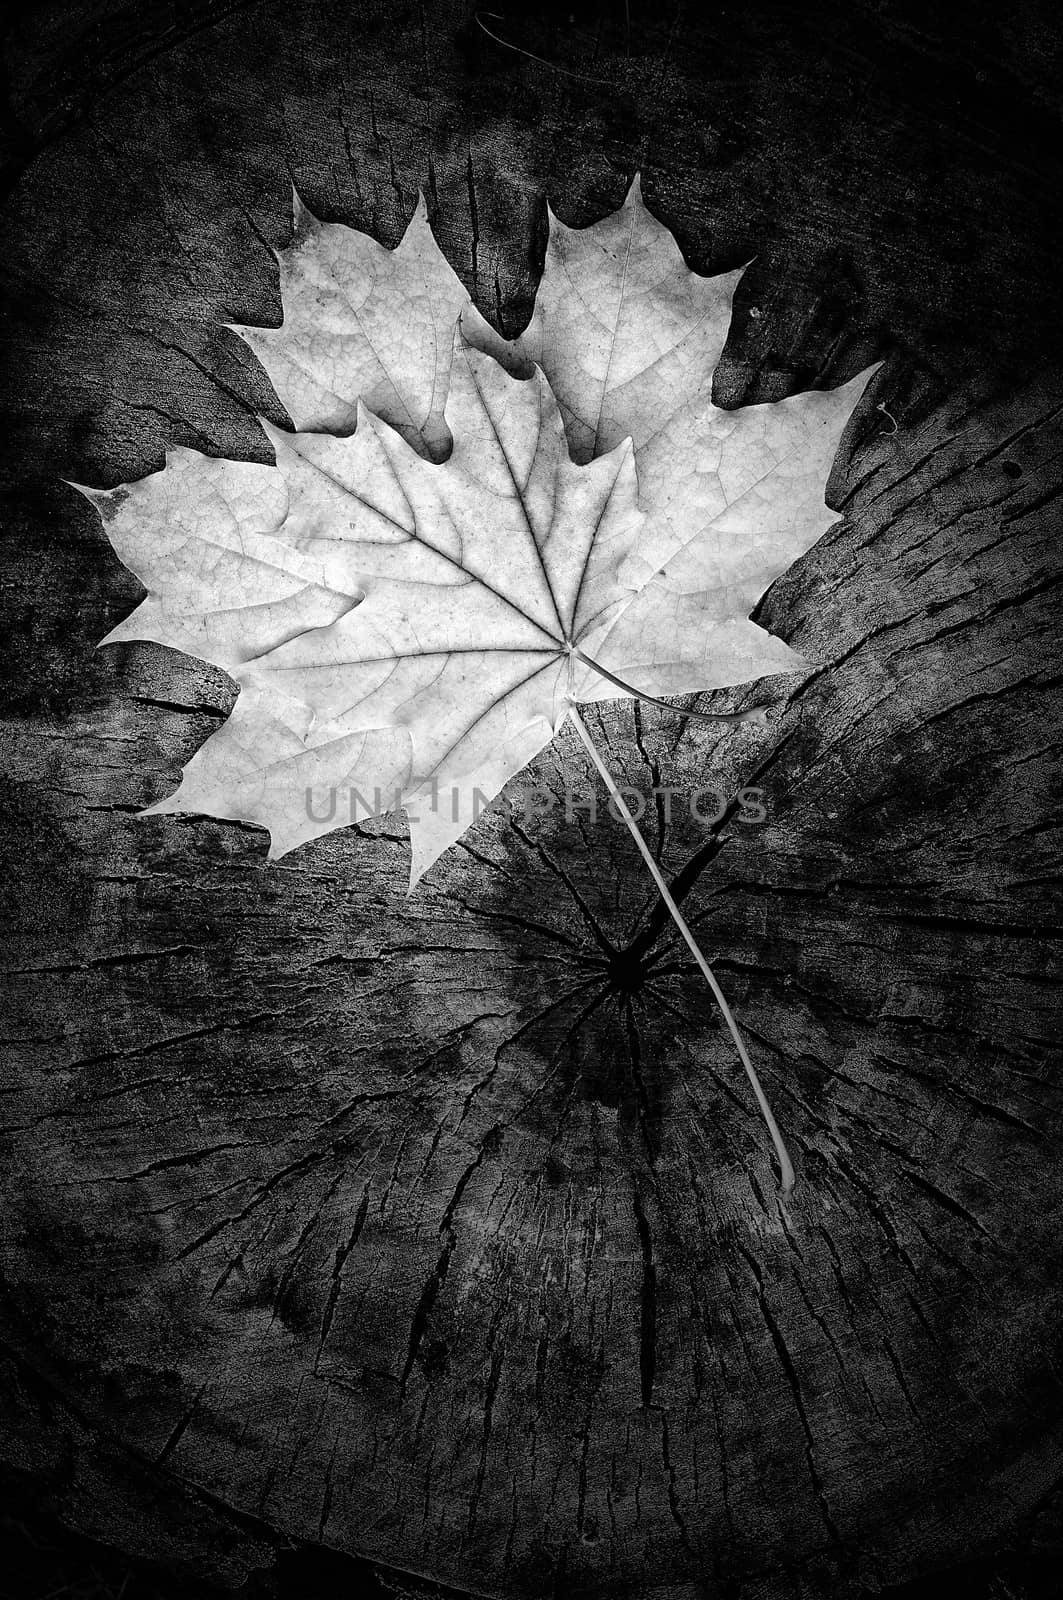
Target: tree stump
[441, 1231]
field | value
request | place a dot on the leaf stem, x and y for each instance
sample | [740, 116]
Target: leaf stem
[754, 714]
[786, 1170]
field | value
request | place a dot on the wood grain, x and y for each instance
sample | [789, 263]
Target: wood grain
[441, 1231]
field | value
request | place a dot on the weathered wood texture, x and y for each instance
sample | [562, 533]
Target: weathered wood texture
[441, 1230]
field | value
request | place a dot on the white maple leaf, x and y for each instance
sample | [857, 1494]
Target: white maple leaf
[402, 626]
[465, 538]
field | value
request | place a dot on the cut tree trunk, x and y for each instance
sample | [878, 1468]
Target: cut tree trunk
[442, 1230]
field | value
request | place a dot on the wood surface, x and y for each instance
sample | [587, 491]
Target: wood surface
[441, 1231]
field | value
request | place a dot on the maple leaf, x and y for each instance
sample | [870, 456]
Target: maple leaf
[402, 625]
[414, 607]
